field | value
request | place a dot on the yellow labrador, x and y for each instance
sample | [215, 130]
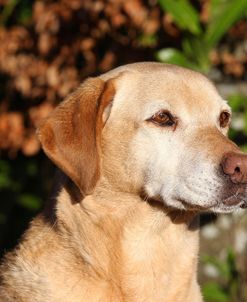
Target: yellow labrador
[143, 149]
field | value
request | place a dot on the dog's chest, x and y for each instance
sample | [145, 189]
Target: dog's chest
[158, 265]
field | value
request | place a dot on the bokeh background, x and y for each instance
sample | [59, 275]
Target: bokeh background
[48, 47]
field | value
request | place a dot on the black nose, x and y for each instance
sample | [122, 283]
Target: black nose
[235, 165]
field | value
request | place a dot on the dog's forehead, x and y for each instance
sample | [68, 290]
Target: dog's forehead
[189, 93]
[153, 86]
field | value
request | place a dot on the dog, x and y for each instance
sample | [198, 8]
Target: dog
[143, 150]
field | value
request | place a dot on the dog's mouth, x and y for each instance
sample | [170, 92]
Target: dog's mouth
[230, 198]
[229, 205]
[226, 205]
[232, 203]
[235, 196]
[235, 200]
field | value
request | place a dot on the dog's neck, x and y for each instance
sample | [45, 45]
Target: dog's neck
[134, 243]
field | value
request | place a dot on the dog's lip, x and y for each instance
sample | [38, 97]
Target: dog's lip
[232, 201]
[238, 199]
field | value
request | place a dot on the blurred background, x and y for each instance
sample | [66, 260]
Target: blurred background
[49, 47]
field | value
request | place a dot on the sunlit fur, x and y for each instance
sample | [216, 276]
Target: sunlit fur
[181, 166]
[128, 230]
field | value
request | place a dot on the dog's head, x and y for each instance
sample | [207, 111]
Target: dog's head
[153, 128]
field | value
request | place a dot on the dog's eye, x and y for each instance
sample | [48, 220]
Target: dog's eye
[163, 118]
[224, 119]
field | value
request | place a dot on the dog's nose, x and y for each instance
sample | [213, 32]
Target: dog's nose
[235, 165]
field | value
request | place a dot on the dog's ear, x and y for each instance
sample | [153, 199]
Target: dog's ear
[71, 135]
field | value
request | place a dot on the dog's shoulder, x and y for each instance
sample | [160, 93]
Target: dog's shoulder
[21, 270]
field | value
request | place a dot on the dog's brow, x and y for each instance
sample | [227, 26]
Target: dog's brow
[154, 106]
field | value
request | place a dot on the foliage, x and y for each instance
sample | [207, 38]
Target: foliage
[22, 194]
[230, 285]
[199, 39]
[49, 47]
[238, 131]
[231, 288]
[23, 11]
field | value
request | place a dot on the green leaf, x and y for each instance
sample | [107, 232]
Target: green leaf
[31, 168]
[244, 148]
[222, 267]
[197, 50]
[8, 10]
[5, 181]
[237, 102]
[174, 56]
[245, 123]
[25, 15]
[183, 13]
[30, 202]
[146, 40]
[213, 292]
[224, 13]
[232, 133]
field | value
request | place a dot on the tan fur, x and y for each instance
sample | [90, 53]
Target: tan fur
[111, 241]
